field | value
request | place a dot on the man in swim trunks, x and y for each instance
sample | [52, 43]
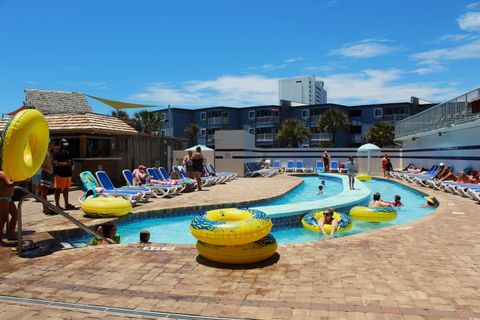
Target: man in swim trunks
[63, 166]
[328, 219]
[326, 161]
[377, 203]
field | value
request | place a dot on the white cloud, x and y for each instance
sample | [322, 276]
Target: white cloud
[466, 51]
[469, 21]
[225, 90]
[100, 85]
[292, 60]
[273, 67]
[373, 86]
[473, 5]
[432, 68]
[367, 48]
[368, 86]
[455, 37]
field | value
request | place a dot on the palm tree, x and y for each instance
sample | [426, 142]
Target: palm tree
[146, 121]
[120, 114]
[332, 120]
[192, 130]
[381, 134]
[292, 133]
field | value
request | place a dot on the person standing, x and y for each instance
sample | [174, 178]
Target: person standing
[384, 164]
[7, 206]
[351, 172]
[46, 177]
[326, 161]
[63, 167]
[197, 167]
[187, 163]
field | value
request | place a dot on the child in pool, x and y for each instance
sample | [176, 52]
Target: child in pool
[397, 202]
[144, 236]
[321, 186]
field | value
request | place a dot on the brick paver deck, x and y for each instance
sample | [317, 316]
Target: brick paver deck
[429, 268]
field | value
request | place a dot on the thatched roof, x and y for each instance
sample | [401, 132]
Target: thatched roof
[85, 123]
[57, 102]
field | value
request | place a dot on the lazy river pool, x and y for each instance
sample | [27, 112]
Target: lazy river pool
[175, 229]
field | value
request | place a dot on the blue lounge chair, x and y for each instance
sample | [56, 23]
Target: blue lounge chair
[178, 187]
[232, 175]
[290, 166]
[107, 184]
[90, 186]
[299, 166]
[253, 170]
[343, 168]
[220, 177]
[160, 189]
[319, 166]
[334, 166]
[276, 165]
[183, 174]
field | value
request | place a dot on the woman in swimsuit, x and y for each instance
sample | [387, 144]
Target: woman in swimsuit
[197, 167]
[7, 206]
[187, 163]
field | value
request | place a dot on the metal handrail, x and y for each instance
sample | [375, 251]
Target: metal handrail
[55, 209]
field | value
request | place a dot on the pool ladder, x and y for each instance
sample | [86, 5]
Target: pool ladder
[28, 194]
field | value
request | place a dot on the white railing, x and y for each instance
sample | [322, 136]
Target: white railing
[217, 120]
[447, 114]
[393, 118]
[321, 136]
[268, 119]
[264, 137]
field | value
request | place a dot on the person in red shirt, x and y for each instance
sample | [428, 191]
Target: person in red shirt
[384, 164]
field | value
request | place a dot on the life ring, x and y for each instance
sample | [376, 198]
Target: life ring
[231, 226]
[382, 214]
[25, 143]
[310, 222]
[364, 177]
[240, 254]
[103, 207]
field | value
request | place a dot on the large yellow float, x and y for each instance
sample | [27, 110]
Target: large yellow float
[231, 226]
[24, 144]
[364, 177]
[234, 235]
[310, 222]
[103, 207]
[240, 254]
[382, 214]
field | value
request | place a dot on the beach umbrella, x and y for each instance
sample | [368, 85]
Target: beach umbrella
[202, 147]
[369, 149]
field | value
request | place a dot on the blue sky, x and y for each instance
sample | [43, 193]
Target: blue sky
[206, 53]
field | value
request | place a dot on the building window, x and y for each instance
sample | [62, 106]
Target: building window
[251, 115]
[98, 147]
[203, 132]
[305, 113]
[251, 130]
[378, 112]
[225, 114]
[203, 116]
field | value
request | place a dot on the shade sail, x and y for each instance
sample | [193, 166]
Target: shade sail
[204, 148]
[122, 105]
[368, 147]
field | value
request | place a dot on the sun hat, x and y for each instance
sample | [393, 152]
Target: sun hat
[432, 199]
[141, 167]
[441, 164]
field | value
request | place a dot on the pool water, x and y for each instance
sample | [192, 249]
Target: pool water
[176, 229]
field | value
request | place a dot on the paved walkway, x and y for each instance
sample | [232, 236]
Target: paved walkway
[429, 268]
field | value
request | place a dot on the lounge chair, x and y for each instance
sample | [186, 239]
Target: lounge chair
[290, 166]
[319, 166]
[343, 168]
[218, 178]
[206, 182]
[276, 165]
[254, 171]
[177, 187]
[269, 172]
[334, 166]
[90, 187]
[160, 189]
[231, 175]
[107, 184]
[299, 166]
[185, 182]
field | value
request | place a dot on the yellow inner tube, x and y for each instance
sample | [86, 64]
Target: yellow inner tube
[383, 214]
[103, 207]
[364, 177]
[231, 226]
[239, 254]
[25, 144]
[310, 222]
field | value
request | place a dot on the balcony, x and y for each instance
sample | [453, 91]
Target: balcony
[321, 136]
[392, 118]
[314, 120]
[268, 119]
[217, 121]
[264, 137]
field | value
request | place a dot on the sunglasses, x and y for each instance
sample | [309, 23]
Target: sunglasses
[328, 214]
